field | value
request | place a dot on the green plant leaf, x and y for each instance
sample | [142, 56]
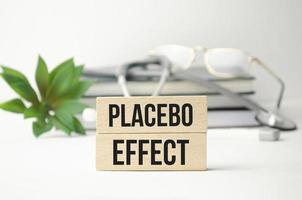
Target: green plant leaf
[77, 73]
[15, 73]
[79, 89]
[71, 106]
[40, 127]
[42, 77]
[14, 105]
[33, 111]
[65, 118]
[60, 67]
[59, 125]
[21, 86]
[78, 127]
[61, 84]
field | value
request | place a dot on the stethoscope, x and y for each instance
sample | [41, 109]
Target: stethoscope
[265, 117]
[161, 61]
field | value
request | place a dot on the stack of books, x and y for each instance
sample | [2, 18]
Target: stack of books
[223, 111]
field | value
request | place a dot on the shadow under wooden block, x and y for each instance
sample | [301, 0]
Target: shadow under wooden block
[172, 151]
[173, 114]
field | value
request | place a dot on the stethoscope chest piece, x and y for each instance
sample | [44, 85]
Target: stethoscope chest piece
[275, 120]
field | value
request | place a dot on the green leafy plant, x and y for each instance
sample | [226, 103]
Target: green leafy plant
[57, 103]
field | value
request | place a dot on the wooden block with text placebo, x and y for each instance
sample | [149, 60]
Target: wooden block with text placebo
[151, 133]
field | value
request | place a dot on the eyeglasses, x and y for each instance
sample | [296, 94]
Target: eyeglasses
[226, 63]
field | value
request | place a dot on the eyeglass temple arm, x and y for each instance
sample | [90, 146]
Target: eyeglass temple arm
[275, 76]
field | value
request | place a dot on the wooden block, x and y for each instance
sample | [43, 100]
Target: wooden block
[151, 151]
[174, 114]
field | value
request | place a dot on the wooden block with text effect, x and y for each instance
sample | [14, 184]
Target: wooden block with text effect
[151, 151]
[151, 133]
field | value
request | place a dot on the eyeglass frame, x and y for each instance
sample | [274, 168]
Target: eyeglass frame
[251, 61]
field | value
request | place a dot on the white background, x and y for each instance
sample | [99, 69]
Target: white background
[100, 33]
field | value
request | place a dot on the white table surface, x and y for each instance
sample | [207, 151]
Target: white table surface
[60, 167]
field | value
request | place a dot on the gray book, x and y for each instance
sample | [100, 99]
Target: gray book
[142, 83]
